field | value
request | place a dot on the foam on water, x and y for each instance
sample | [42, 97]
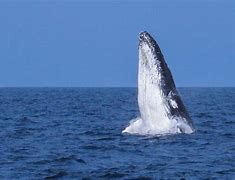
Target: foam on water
[139, 127]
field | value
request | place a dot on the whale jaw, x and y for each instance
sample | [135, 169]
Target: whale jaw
[161, 108]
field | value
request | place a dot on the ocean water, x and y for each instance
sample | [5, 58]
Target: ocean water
[75, 133]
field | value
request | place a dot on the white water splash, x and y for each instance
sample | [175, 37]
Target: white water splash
[139, 127]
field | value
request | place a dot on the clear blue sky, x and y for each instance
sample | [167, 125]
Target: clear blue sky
[86, 43]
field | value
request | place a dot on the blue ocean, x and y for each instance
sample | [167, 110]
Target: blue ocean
[76, 133]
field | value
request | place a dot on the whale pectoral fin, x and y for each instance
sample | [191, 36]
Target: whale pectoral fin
[172, 99]
[180, 130]
[175, 104]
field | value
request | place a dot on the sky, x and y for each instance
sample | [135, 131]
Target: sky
[74, 43]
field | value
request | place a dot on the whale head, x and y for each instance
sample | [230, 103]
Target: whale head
[152, 59]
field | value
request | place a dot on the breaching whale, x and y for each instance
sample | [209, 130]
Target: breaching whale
[161, 108]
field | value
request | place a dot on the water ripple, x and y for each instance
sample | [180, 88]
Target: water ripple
[75, 133]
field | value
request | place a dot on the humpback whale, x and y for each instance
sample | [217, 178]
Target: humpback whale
[161, 109]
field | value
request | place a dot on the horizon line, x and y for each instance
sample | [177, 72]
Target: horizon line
[109, 87]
